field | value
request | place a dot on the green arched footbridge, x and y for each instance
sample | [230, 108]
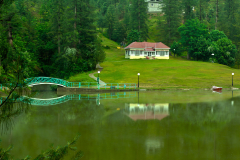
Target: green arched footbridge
[47, 80]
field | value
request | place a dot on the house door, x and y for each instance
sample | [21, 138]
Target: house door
[149, 53]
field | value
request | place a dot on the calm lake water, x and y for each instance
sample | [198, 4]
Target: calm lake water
[170, 125]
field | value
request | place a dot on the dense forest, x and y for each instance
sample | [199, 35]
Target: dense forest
[55, 38]
[60, 38]
[201, 28]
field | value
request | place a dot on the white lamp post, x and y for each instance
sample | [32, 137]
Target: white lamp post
[232, 79]
[212, 57]
[98, 76]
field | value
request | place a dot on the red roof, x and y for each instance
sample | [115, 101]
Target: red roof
[147, 45]
[149, 49]
[147, 115]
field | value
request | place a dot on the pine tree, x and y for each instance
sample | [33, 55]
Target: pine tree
[110, 20]
[172, 17]
[188, 7]
[229, 21]
[139, 18]
[57, 14]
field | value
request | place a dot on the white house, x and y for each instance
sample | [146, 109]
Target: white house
[154, 6]
[138, 50]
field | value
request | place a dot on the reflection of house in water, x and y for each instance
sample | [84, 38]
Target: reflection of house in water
[147, 111]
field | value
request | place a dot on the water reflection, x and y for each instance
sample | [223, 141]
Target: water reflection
[138, 111]
[153, 145]
[65, 98]
[114, 127]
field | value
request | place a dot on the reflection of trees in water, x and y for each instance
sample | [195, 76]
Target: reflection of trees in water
[207, 116]
[84, 111]
[11, 110]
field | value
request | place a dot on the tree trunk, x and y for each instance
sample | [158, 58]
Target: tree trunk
[216, 14]
[139, 27]
[75, 24]
[200, 14]
[169, 26]
[10, 34]
[59, 49]
[0, 65]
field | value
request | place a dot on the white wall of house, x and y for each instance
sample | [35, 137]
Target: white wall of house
[141, 54]
[153, 5]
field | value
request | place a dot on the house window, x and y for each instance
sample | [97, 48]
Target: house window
[145, 53]
[158, 53]
[141, 52]
[167, 53]
[126, 52]
[133, 52]
[162, 53]
[152, 4]
[153, 53]
[137, 53]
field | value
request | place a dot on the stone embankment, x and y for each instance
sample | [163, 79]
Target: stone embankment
[91, 90]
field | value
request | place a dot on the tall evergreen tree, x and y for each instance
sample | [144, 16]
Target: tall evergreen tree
[110, 20]
[172, 16]
[188, 7]
[139, 18]
[57, 17]
[229, 21]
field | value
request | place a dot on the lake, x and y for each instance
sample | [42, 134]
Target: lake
[145, 125]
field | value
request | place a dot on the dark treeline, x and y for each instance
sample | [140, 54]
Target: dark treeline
[48, 38]
[126, 21]
[123, 20]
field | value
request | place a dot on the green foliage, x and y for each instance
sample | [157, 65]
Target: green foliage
[224, 51]
[54, 87]
[187, 6]
[133, 36]
[139, 18]
[190, 32]
[4, 154]
[237, 59]
[200, 44]
[216, 35]
[60, 152]
[119, 32]
[172, 20]
[110, 20]
[176, 48]
[52, 154]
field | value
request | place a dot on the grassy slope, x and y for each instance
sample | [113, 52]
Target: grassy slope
[81, 77]
[172, 73]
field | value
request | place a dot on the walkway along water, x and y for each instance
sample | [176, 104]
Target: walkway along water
[95, 78]
[66, 86]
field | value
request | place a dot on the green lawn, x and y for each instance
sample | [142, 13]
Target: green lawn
[81, 77]
[164, 74]
[175, 73]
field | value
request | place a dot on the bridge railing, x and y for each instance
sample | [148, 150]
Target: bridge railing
[118, 86]
[82, 84]
[102, 86]
[46, 80]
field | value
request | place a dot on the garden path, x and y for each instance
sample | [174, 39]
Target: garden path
[95, 78]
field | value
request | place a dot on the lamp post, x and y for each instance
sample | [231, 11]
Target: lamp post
[98, 76]
[232, 79]
[212, 57]
[138, 79]
[174, 52]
